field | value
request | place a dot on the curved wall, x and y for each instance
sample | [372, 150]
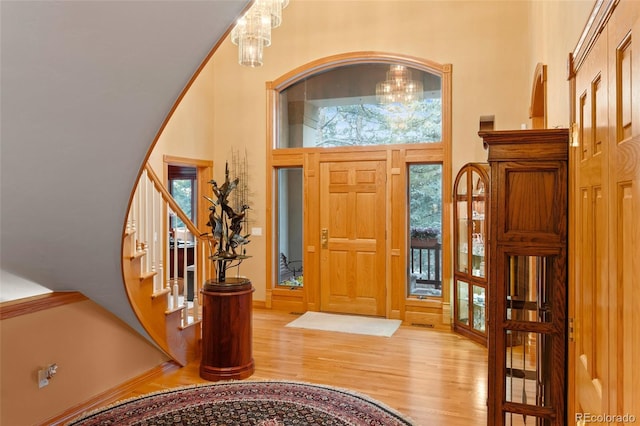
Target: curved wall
[86, 86]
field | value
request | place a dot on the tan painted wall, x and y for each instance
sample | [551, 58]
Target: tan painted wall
[473, 36]
[556, 28]
[94, 351]
[190, 131]
[492, 45]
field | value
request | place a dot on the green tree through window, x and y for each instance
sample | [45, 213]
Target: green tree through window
[182, 186]
[374, 124]
[425, 196]
[182, 192]
[425, 230]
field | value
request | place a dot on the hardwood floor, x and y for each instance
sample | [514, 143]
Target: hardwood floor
[434, 377]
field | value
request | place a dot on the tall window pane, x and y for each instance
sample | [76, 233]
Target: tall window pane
[289, 222]
[425, 230]
[182, 186]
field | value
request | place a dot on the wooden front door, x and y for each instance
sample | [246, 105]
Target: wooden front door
[591, 339]
[606, 289]
[352, 237]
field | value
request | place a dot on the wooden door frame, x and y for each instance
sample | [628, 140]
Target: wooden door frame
[432, 312]
[204, 173]
[538, 107]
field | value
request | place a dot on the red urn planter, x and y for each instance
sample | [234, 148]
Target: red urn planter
[227, 330]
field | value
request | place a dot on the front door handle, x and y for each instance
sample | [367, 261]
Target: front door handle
[324, 238]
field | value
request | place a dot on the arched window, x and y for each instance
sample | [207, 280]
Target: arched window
[362, 104]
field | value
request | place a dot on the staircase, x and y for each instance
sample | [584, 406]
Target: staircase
[150, 255]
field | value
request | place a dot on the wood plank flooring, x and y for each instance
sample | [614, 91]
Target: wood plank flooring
[434, 377]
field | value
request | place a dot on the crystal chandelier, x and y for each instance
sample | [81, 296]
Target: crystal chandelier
[252, 32]
[399, 87]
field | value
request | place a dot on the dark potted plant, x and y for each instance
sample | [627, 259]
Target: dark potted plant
[227, 242]
[424, 237]
[226, 301]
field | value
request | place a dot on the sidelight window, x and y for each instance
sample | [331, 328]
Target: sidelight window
[289, 226]
[425, 230]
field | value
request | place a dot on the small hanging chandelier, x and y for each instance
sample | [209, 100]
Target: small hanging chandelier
[399, 87]
[252, 32]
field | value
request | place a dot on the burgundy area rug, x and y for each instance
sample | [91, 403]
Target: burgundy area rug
[255, 403]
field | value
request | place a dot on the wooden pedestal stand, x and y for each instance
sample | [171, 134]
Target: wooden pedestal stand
[227, 330]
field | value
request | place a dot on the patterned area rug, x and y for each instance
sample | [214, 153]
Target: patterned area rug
[255, 403]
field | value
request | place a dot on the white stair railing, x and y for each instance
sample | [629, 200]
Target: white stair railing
[161, 248]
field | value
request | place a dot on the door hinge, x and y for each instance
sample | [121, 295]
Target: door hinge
[571, 330]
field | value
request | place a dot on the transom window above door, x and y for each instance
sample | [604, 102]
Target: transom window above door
[361, 104]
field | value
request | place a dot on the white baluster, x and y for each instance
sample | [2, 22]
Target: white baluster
[175, 257]
[184, 265]
[167, 235]
[194, 274]
[139, 234]
[159, 241]
[134, 212]
[203, 249]
[144, 218]
[185, 315]
[129, 218]
[152, 247]
[196, 308]
[152, 227]
[176, 301]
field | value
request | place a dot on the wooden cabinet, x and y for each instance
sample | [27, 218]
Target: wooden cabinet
[528, 276]
[470, 238]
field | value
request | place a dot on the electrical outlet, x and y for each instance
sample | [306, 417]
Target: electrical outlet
[42, 378]
[45, 374]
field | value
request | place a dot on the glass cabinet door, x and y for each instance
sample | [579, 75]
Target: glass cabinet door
[462, 216]
[471, 268]
[463, 302]
[478, 228]
[479, 317]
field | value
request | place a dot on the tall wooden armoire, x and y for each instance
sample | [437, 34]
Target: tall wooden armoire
[528, 277]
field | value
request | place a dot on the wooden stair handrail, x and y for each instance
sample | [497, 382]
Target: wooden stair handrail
[166, 196]
[152, 292]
